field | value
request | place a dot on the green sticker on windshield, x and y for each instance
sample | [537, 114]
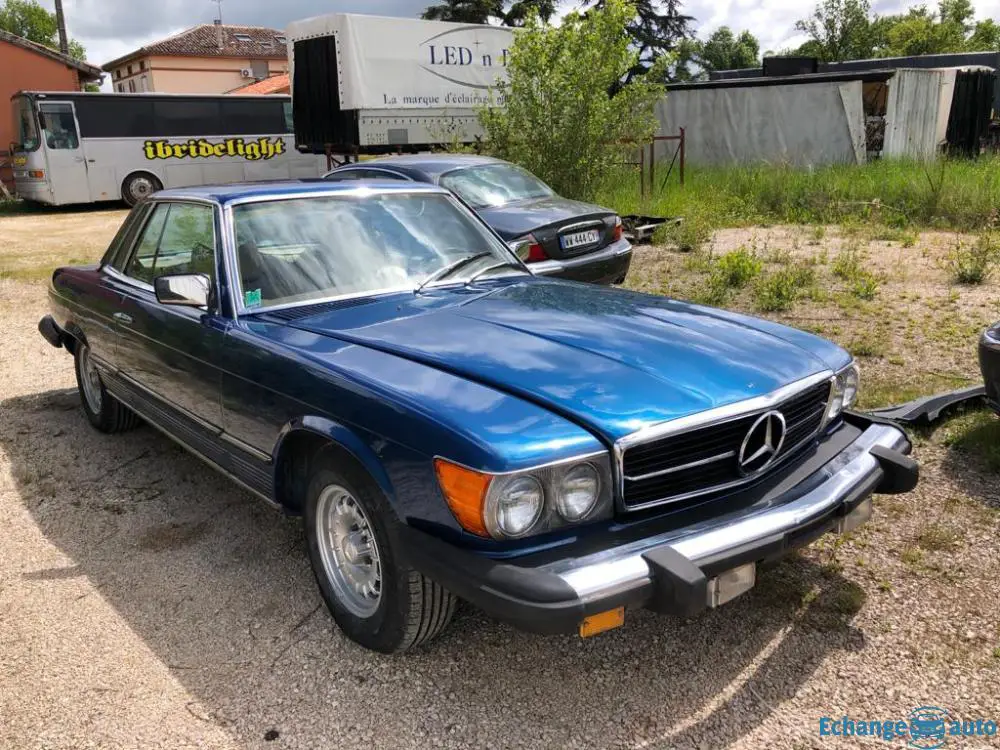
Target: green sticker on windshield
[252, 298]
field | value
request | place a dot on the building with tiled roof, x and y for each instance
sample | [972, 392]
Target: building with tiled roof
[205, 59]
[278, 84]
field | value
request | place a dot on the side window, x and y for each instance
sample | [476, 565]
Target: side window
[121, 245]
[59, 126]
[179, 238]
[344, 176]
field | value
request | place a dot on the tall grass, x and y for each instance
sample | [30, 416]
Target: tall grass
[959, 194]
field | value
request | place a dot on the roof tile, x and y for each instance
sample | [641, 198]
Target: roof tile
[203, 41]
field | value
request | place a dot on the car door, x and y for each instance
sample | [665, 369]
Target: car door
[173, 353]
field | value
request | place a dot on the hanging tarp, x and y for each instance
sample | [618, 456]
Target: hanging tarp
[800, 124]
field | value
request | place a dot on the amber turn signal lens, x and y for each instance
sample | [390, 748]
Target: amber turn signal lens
[613, 618]
[465, 491]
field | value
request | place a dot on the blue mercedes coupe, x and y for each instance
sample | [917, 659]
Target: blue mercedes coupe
[373, 357]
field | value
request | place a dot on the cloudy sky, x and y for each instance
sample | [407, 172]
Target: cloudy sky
[111, 28]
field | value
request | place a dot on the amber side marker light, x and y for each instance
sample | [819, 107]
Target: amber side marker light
[599, 623]
[465, 491]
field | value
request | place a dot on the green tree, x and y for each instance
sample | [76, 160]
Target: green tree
[28, 19]
[839, 30]
[724, 50]
[484, 11]
[986, 36]
[657, 29]
[560, 118]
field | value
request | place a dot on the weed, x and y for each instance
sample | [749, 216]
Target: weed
[935, 538]
[818, 233]
[973, 265]
[865, 285]
[847, 264]
[778, 291]
[908, 239]
[912, 557]
[737, 269]
[689, 234]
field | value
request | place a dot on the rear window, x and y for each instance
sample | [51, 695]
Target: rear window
[493, 185]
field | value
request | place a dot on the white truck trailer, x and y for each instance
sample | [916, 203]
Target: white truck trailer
[369, 85]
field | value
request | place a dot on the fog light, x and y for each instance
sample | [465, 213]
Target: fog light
[856, 518]
[731, 584]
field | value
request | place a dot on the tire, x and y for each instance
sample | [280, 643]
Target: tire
[138, 186]
[103, 410]
[347, 516]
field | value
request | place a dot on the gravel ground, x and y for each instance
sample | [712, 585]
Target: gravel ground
[145, 602]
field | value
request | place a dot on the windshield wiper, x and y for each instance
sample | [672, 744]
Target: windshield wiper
[450, 269]
[495, 267]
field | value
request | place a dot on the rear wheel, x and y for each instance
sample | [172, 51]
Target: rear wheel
[375, 598]
[103, 410]
[138, 186]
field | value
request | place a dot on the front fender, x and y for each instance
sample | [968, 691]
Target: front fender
[341, 436]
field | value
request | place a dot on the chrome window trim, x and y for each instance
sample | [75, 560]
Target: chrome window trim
[709, 418]
[360, 167]
[229, 232]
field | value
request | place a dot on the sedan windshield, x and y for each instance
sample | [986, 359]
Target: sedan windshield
[494, 185]
[308, 249]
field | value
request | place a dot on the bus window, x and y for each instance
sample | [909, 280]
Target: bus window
[289, 122]
[24, 125]
[59, 126]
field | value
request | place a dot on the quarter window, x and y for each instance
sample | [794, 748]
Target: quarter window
[179, 238]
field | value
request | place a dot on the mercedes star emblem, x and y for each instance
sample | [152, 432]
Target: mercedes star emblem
[763, 443]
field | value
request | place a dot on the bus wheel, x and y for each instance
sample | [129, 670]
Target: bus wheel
[139, 186]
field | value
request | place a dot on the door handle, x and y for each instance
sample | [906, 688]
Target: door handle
[123, 318]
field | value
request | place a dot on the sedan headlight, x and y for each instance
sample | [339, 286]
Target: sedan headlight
[519, 504]
[578, 492]
[844, 391]
[513, 506]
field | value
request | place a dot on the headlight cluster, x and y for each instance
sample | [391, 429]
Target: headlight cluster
[512, 506]
[844, 393]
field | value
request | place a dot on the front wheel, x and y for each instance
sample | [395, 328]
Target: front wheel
[103, 410]
[375, 599]
[138, 186]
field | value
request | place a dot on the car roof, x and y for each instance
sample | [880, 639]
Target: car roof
[254, 191]
[431, 164]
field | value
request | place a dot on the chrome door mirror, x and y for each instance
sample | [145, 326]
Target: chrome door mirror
[186, 289]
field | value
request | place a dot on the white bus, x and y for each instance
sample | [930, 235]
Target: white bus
[83, 148]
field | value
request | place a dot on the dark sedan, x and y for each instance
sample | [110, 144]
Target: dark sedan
[989, 359]
[556, 236]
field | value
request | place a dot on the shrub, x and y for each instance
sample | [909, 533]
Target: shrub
[865, 285]
[776, 292]
[737, 269]
[847, 264]
[973, 265]
[560, 119]
[689, 234]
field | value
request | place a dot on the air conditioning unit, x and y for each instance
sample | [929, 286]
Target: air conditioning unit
[246, 73]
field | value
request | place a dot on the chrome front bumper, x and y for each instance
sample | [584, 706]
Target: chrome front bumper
[696, 564]
[610, 572]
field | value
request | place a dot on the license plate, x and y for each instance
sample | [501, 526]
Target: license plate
[579, 239]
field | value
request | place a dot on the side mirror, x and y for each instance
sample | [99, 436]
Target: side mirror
[186, 289]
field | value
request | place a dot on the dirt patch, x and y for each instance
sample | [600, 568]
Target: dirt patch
[913, 329]
[147, 602]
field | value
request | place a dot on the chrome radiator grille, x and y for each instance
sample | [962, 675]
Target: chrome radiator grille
[707, 459]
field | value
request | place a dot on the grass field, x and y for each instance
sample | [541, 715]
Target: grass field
[956, 194]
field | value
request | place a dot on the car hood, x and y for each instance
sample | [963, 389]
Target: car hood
[611, 360]
[517, 219]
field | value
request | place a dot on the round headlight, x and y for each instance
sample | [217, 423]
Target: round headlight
[516, 507]
[578, 492]
[852, 379]
[836, 404]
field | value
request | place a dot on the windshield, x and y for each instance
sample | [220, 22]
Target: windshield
[493, 185]
[314, 248]
[25, 130]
